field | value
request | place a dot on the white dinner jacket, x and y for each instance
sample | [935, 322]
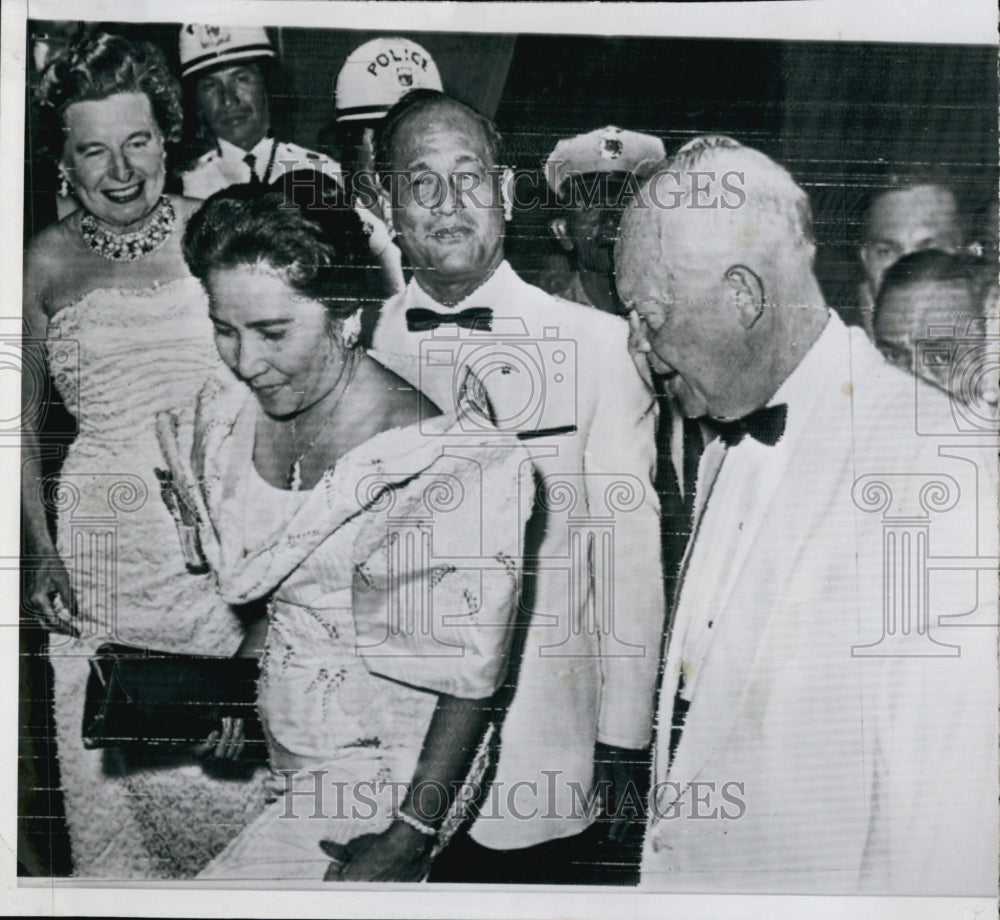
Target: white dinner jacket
[589, 665]
[808, 763]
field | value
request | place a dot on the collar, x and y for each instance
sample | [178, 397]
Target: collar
[818, 369]
[261, 150]
[812, 372]
[493, 292]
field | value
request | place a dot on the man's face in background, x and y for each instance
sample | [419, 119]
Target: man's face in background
[233, 101]
[588, 226]
[905, 221]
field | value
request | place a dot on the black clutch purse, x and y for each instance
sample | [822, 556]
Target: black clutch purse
[146, 697]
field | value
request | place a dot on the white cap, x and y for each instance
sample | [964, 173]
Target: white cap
[204, 46]
[377, 74]
[605, 150]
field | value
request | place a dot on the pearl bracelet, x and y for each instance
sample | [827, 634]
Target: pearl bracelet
[415, 823]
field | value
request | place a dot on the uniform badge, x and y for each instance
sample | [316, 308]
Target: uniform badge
[209, 36]
[405, 76]
[611, 148]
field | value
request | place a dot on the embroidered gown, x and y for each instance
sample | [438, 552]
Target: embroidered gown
[119, 356]
[351, 668]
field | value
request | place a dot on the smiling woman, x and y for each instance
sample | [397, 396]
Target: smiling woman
[114, 158]
[109, 285]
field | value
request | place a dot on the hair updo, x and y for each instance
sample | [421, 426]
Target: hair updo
[302, 226]
[101, 66]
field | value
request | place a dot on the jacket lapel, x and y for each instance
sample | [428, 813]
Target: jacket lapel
[719, 692]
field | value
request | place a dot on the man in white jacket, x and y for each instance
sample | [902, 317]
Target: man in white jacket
[560, 375]
[827, 713]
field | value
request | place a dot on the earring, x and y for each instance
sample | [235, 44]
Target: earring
[350, 330]
[63, 182]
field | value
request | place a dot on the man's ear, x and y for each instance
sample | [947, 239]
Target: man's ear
[385, 207]
[747, 292]
[864, 256]
[507, 192]
[560, 231]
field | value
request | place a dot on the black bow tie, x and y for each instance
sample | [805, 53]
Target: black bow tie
[765, 425]
[420, 319]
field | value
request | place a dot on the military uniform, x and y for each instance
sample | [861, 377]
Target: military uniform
[225, 165]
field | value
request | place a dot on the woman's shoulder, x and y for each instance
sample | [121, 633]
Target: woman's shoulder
[46, 258]
[46, 250]
[400, 403]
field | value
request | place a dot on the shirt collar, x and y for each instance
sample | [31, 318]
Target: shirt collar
[491, 293]
[817, 370]
[261, 150]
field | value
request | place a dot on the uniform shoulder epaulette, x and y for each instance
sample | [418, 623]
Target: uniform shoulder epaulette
[306, 153]
[209, 156]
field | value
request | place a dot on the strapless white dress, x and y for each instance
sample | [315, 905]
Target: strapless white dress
[118, 357]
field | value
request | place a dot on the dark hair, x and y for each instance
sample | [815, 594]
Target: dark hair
[342, 142]
[935, 265]
[302, 225]
[98, 67]
[886, 178]
[415, 103]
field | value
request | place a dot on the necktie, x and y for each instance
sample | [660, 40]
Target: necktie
[420, 319]
[251, 161]
[765, 425]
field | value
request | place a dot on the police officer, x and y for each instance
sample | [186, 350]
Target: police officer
[375, 76]
[593, 176]
[227, 68]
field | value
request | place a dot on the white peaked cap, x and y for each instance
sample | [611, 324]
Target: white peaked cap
[203, 46]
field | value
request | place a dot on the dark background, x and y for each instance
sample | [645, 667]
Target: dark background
[836, 114]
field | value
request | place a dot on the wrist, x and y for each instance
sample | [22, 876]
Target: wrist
[409, 837]
[417, 825]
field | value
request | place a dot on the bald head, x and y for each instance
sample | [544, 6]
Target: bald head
[444, 194]
[736, 196]
[715, 255]
[429, 104]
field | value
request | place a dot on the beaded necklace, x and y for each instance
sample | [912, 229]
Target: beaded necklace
[127, 247]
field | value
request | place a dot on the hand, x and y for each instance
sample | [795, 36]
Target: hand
[50, 597]
[622, 778]
[225, 744]
[399, 854]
